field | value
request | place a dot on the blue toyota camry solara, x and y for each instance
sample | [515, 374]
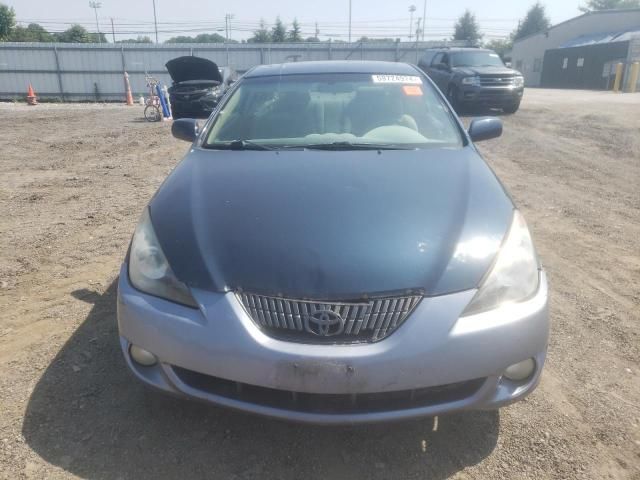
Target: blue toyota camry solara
[334, 249]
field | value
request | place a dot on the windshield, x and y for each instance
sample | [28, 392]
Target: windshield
[476, 59]
[342, 111]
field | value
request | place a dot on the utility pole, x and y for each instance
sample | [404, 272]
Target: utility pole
[424, 18]
[317, 31]
[412, 9]
[349, 21]
[113, 31]
[417, 37]
[155, 19]
[227, 25]
[96, 6]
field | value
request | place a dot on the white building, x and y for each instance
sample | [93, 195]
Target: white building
[528, 53]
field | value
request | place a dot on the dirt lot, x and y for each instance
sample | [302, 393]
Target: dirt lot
[73, 180]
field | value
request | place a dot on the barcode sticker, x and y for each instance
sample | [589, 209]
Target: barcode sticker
[405, 79]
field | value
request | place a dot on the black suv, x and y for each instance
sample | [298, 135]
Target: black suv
[474, 77]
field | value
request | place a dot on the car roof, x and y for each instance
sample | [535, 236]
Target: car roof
[332, 66]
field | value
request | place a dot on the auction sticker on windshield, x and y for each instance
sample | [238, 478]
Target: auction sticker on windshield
[405, 79]
[412, 90]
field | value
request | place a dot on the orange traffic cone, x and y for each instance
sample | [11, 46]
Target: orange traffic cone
[31, 96]
[128, 89]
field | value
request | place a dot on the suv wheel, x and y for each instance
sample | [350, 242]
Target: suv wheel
[452, 96]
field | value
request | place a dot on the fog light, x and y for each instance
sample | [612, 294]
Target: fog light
[521, 370]
[142, 356]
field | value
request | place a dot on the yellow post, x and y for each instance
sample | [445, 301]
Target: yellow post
[633, 77]
[618, 80]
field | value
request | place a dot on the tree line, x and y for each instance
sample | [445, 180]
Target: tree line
[466, 29]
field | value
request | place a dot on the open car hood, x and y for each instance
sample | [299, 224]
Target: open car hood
[187, 68]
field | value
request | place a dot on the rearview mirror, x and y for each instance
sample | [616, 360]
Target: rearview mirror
[185, 129]
[485, 128]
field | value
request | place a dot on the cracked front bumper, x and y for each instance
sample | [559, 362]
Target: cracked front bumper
[436, 362]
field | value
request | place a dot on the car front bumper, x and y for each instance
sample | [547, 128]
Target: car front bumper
[436, 361]
[197, 108]
[491, 96]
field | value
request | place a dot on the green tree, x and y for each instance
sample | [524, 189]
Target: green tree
[294, 34]
[262, 35]
[595, 5]
[31, 33]
[376, 40]
[201, 38]
[94, 38]
[180, 39]
[500, 46]
[74, 34]
[139, 39]
[535, 21]
[7, 20]
[210, 38]
[467, 28]
[279, 32]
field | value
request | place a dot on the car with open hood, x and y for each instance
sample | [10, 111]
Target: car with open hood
[334, 249]
[474, 77]
[198, 85]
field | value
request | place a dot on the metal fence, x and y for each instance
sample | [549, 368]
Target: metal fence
[72, 72]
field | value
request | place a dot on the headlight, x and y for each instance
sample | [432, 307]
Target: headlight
[518, 81]
[515, 274]
[475, 81]
[149, 270]
[214, 92]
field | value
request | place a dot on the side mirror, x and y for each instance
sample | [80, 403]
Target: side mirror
[485, 128]
[442, 66]
[185, 129]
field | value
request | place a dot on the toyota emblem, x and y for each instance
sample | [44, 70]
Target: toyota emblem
[324, 323]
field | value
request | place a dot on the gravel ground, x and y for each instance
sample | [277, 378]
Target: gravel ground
[73, 180]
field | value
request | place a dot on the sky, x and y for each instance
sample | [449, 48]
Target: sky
[375, 18]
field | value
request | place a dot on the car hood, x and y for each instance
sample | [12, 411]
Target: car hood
[331, 225]
[186, 68]
[487, 71]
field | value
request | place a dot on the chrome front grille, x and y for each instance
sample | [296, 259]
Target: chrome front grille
[488, 81]
[328, 322]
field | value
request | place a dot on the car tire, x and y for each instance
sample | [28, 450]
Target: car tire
[513, 108]
[453, 97]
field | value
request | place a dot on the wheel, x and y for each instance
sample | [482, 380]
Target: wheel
[152, 113]
[513, 108]
[453, 97]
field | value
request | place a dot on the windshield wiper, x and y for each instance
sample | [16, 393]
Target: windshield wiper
[238, 145]
[353, 146]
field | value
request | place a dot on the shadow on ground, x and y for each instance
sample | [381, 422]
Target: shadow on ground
[88, 415]
[479, 111]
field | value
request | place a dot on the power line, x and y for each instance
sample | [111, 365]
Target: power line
[384, 28]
